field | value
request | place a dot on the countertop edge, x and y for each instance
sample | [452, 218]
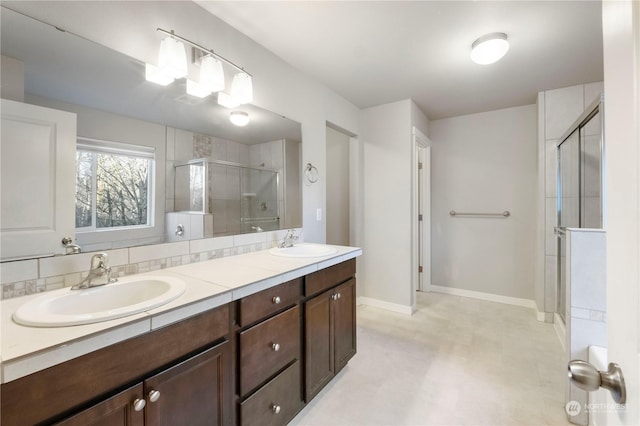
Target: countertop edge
[140, 324]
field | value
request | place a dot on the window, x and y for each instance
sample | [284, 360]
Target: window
[114, 185]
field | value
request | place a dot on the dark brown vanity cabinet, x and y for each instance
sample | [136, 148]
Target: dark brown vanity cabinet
[269, 355]
[189, 363]
[190, 393]
[330, 325]
[254, 361]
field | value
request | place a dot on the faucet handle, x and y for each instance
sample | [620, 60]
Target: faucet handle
[99, 260]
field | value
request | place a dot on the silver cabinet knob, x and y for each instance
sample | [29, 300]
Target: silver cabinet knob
[154, 395]
[139, 404]
[275, 408]
[339, 295]
[276, 299]
[275, 347]
[587, 377]
[334, 297]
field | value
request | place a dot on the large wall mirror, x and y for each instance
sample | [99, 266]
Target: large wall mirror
[216, 178]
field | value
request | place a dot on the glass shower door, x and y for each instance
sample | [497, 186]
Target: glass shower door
[568, 206]
[580, 186]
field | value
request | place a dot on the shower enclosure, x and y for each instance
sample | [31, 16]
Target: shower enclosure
[241, 198]
[580, 184]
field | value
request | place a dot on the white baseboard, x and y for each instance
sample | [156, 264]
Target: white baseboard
[507, 300]
[394, 307]
[541, 316]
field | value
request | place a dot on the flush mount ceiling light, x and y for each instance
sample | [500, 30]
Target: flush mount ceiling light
[489, 48]
[172, 64]
[239, 118]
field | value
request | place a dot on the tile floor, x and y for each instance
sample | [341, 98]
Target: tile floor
[456, 361]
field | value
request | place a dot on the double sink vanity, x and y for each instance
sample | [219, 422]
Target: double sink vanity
[241, 340]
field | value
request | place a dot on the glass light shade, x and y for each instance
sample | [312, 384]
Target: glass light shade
[154, 75]
[227, 101]
[197, 89]
[489, 48]
[172, 59]
[239, 118]
[211, 74]
[242, 88]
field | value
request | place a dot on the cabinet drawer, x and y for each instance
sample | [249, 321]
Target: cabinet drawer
[266, 302]
[329, 277]
[276, 402]
[268, 347]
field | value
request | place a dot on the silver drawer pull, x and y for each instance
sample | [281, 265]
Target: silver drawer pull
[138, 404]
[154, 395]
[275, 347]
[275, 408]
[276, 299]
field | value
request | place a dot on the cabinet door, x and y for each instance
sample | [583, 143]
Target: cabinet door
[116, 411]
[37, 179]
[344, 323]
[195, 392]
[318, 344]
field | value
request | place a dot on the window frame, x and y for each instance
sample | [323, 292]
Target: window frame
[125, 236]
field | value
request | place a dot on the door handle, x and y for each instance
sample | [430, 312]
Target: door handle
[560, 231]
[587, 377]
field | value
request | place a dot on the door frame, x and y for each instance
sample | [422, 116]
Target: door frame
[420, 202]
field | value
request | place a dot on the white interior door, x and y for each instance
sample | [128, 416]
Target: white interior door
[621, 29]
[37, 151]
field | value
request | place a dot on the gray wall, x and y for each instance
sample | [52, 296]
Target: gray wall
[485, 162]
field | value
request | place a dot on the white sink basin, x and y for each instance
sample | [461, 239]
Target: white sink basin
[128, 296]
[304, 250]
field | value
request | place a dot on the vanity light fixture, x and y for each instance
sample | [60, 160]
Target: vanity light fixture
[242, 88]
[172, 63]
[153, 74]
[489, 48]
[196, 89]
[227, 101]
[211, 74]
[172, 59]
[239, 118]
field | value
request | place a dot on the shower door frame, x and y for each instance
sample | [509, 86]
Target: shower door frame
[595, 108]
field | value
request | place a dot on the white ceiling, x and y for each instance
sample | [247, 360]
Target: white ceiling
[373, 53]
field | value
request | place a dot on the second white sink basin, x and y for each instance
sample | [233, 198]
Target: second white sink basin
[304, 250]
[128, 296]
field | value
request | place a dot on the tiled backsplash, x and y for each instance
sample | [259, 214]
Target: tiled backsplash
[32, 276]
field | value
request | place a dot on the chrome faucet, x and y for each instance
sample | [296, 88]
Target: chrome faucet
[289, 239]
[99, 274]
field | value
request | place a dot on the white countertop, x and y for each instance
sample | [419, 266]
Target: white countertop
[25, 350]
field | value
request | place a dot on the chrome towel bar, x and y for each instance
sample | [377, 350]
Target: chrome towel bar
[505, 214]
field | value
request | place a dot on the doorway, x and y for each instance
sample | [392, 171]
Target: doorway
[338, 193]
[421, 213]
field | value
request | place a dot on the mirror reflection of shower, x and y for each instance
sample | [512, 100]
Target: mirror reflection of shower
[580, 185]
[238, 198]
